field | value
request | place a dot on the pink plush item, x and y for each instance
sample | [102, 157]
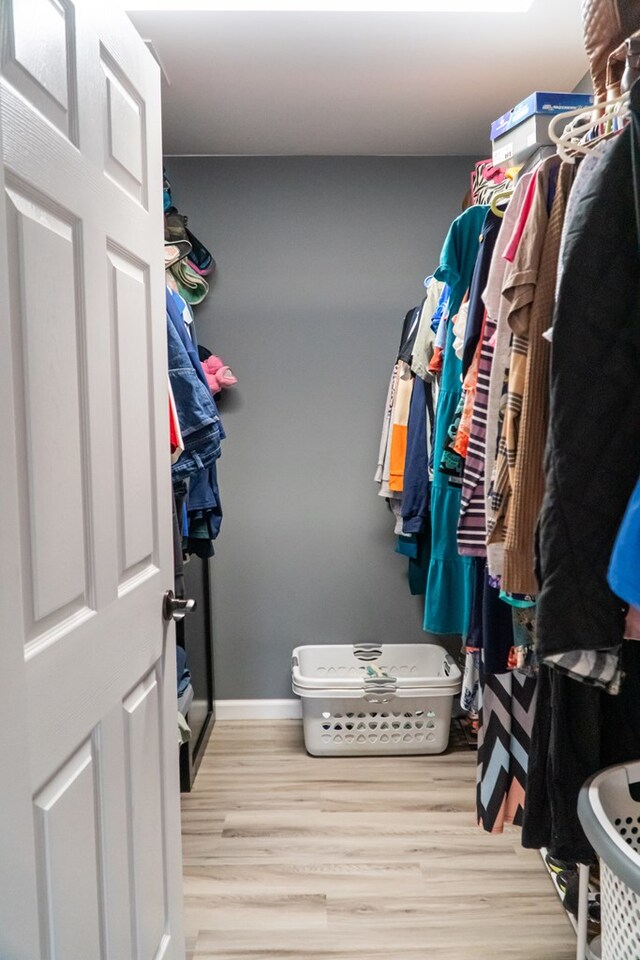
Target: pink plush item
[218, 374]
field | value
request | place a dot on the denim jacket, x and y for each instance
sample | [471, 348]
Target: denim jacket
[197, 412]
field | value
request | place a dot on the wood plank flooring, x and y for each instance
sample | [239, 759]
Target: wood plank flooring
[298, 858]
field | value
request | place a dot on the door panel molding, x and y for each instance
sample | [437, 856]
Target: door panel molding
[90, 863]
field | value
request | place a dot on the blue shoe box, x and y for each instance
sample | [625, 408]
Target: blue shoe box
[548, 104]
[524, 128]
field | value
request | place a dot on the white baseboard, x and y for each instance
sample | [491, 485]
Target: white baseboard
[258, 709]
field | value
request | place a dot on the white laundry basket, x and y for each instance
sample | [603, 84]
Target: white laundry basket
[610, 817]
[366, 699]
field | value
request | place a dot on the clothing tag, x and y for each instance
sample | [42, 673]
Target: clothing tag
[548, 334]
[187, 318]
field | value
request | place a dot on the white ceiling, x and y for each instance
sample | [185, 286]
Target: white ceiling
[355, 83]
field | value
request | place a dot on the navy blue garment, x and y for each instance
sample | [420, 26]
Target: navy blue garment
[178, 559]
[204, 512]
[488, 237]
[497, 629]
[204, 495]
[474, 635]
[419, 565]
[182, 670]
[415, 497]
[552, 186]
[409, 333]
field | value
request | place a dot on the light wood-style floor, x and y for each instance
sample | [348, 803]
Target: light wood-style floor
[297, 858]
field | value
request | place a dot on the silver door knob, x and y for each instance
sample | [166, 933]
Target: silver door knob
[175, 608]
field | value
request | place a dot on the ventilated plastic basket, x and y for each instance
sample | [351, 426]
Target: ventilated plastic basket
[609, 810]
[366, 699]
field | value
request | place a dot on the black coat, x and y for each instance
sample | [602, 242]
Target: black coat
[593, 447]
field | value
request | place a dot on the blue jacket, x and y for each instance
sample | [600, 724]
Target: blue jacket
[415, 497]
[197, 412]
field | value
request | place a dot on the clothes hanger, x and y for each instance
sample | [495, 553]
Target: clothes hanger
[578, 127]
[572, 150]
[501, 195]
[499, 198]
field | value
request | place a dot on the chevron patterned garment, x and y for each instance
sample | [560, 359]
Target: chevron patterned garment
[506, 720]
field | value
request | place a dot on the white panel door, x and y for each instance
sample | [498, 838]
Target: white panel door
[89, 833]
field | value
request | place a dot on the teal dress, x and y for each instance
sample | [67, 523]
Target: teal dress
[450, 578]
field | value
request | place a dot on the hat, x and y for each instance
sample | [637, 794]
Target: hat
[203, 271]
[175, 251]
[200, 259]
[175, 226]
[191, 286]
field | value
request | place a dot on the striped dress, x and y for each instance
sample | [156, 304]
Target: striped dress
[472, 520]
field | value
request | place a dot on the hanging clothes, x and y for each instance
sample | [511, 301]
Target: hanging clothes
[592, 463]
[194, 473]
[410, 329]
[469, 392]
[508, 686]
[381, 476]
[175, 436]
[424, 344]
[393, 441]
[399, 427]
[593, 449]
[488, 238]
[449, 584]
[404, 457]
[200, 426]
[415, 497]
[497, 352]
[528, 474]
[518, 289]
[472, 527]
[578, 729]
[504, 740]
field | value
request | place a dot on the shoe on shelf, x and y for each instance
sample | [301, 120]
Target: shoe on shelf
[558, 866]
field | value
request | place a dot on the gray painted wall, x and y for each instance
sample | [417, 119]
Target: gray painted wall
[318, 261]
[585, 85]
